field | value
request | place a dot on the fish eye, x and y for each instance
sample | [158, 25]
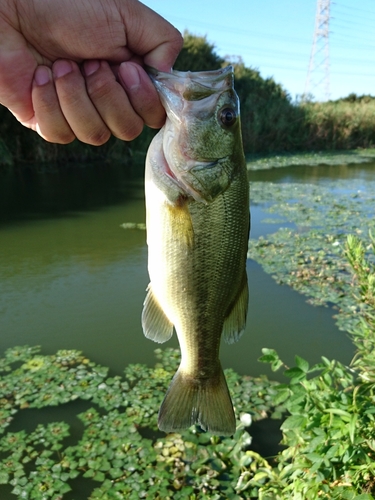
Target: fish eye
[227, 116]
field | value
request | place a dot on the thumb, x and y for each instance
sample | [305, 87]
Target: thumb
[149, 35]
[17, 68]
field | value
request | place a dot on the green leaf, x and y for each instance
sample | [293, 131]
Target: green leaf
[261, 475]
[294, 422]
[295, 373]
[281, 396]
[302, 364]
[4, 477]
[99, 476]
[315, 465]
[65, 487]
[352, 426]
[270, 356]
[338, 411]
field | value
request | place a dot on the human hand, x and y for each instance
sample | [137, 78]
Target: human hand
[73, 68]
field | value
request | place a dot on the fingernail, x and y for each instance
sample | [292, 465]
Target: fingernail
[42, 75]
[62, 68]
[90, 67]
[130, 75]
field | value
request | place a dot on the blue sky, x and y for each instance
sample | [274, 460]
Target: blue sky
[275, 37]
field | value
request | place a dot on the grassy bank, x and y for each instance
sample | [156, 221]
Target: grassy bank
[274, 124]
[339, 125]
[272, 131]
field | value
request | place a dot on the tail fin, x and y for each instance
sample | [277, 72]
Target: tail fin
[192, 401]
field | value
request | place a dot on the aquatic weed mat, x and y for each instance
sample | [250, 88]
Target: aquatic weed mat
[274, 160]
[119, 452]
[310, 256]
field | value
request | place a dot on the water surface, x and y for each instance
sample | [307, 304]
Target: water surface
[72, 278]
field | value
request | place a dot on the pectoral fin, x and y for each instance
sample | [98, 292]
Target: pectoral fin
[234, 324]
[181, 223]
[156, 326]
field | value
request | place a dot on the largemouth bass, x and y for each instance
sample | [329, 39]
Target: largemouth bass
[197, 202]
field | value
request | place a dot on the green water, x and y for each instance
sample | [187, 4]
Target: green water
[72, 278]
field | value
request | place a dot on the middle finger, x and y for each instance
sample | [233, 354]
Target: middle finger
[111, 100]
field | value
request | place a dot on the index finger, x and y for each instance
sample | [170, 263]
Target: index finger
[142, 94]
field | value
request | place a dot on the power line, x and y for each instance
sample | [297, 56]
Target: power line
[236, 31]
[356, 9]
[363, 17]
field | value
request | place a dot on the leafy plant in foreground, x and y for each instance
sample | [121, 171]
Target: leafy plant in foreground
[329, 432]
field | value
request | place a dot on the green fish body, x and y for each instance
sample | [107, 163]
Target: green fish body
[197, 202]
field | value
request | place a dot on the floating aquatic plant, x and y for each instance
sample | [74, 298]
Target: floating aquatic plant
[121, 450]
[133, 225]
[274, 160]
[310, 257]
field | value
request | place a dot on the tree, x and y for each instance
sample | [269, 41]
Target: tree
[197, 54]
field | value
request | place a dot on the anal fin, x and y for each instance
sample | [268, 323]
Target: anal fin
[234, 324]
[156, 326]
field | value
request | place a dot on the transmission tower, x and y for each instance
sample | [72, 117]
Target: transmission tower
[318, 72]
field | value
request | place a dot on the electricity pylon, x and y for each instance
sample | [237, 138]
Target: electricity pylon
[318, 72]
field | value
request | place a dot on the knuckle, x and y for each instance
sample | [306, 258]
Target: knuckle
[97, 137]
[57, 137]
[99, 89]
[178, 41]
[65, 139]
[129, 132]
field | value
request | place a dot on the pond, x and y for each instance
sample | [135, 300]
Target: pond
[71, 277]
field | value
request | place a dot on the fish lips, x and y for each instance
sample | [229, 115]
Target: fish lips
[177, 88]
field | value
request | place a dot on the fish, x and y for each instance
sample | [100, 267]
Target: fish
[197, 224]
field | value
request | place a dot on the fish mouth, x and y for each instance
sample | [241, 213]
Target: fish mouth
[193, 85]
[178, 86]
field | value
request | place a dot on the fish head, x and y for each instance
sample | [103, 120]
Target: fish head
[202, 133]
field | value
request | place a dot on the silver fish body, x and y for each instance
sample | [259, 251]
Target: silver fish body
[197, 202]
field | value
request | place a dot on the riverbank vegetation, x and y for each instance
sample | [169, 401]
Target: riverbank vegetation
[271, 120]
